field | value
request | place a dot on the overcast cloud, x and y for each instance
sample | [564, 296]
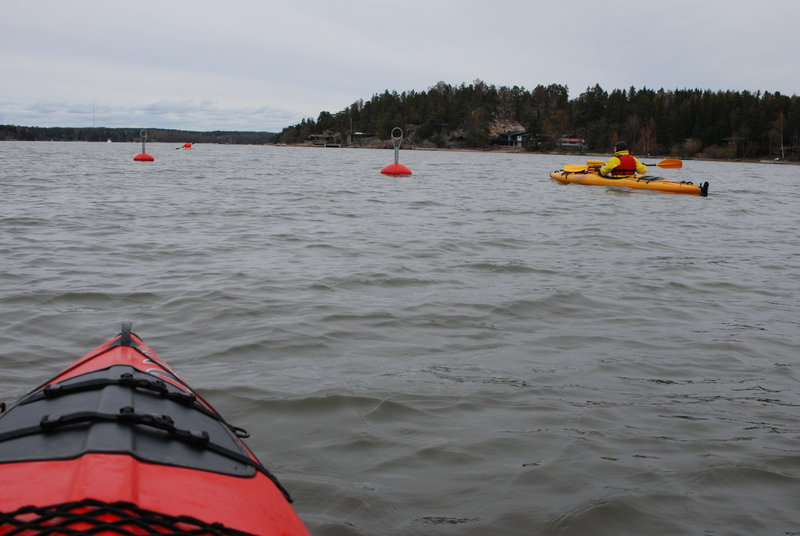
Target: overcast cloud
[266, 64]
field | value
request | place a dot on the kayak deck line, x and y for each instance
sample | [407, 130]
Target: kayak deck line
[91, 515]
[128, 379]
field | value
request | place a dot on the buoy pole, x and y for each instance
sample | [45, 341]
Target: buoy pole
[396, 141]
[143, 156]
[397, 168]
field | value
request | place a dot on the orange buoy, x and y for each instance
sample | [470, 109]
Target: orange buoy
[396, 168]
[143, 156]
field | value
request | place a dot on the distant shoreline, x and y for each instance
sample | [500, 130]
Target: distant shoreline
[519, 150]
[129, 134]
[388, 146]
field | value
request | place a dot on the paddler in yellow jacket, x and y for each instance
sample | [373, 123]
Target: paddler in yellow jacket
[622, 164]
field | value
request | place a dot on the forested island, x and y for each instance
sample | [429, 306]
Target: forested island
[680, 122]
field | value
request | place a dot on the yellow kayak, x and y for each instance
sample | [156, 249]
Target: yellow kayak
[589, 176]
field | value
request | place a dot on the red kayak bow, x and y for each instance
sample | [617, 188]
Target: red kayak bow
[118, 444]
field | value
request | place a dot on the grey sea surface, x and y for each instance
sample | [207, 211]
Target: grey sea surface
[473, 349]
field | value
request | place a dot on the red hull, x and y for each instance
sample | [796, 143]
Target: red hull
[234, 494]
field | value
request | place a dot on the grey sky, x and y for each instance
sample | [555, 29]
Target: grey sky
[266, 64]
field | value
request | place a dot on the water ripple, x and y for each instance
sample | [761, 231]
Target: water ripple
[471, 350]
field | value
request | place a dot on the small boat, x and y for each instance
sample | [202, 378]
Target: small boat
[118, 444]
[590, 176]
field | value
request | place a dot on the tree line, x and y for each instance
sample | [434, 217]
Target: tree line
[680, 122]
[22, 133]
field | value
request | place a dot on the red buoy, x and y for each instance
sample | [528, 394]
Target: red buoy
[143, 156]
[396, 168]
[187, 145]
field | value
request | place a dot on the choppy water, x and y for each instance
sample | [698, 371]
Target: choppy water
[471, 350]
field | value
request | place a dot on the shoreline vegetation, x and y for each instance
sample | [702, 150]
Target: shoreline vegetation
[688, 123]
[725, 125]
